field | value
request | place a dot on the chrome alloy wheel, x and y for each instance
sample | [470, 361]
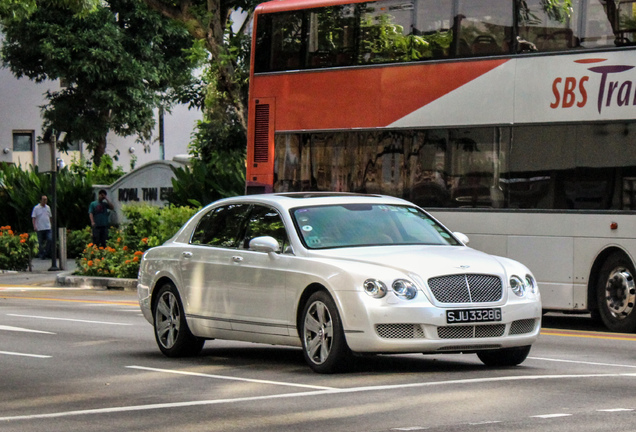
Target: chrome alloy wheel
[318, 332]
[167, 319]
[620, 293]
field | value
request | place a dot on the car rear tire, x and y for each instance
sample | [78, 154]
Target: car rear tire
[171, 329]
[504, 356]
[324, 345]
[617, 294]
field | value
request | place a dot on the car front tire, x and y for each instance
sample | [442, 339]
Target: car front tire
[504, 356]
[171, 329]
[324, 345]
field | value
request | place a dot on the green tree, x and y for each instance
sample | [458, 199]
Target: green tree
[221, 176]
[116, 65]
[227, 75]
[22, 9]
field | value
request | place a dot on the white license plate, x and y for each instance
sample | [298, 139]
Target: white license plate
[473, 315]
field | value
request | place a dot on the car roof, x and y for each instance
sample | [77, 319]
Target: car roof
[289, 200]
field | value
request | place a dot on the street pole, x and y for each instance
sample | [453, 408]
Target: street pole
[54, 202]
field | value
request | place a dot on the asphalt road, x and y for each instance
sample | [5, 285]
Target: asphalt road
[86, 360]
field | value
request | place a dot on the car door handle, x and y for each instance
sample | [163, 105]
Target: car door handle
[187, 254]
[237, 258]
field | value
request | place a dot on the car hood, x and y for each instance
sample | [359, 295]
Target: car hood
[423, 260]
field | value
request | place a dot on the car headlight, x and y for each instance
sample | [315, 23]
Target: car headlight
[374, 288]
[518, 286]
[532, 284]
[404, 289]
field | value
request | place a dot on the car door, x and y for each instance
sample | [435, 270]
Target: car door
[257, 290]
[207, 265]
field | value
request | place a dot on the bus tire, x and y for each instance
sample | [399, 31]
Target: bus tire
[617, 294]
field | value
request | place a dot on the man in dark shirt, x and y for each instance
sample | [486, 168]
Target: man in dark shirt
[99, 213]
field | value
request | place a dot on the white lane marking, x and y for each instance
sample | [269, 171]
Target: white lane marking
[412, 428]
[12, 288]
[20, 329]
[547, 416]
[582, 362]
[485, 422]
[615, 410]
[167, 405]
[24, 355]
[224, 377]
[68, 319]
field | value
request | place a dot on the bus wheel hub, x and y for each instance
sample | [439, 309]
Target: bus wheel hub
[620, 293]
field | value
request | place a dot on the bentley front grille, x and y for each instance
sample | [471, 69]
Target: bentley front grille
[400, 331]
[471, 332]
[522, 326]
[466, 288]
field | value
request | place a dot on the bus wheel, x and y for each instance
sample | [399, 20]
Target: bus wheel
[617, 294]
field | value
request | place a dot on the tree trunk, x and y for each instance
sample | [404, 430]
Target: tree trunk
[99, 150]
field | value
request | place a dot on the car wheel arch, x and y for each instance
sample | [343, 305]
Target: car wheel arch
[302, 301]
[155, 289]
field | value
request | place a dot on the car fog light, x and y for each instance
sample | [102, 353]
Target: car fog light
[404, 289]
[374, 288]
[517, 286]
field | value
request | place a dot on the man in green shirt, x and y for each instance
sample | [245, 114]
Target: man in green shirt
[99, 213]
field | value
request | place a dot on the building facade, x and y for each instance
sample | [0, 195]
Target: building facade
[21, 124]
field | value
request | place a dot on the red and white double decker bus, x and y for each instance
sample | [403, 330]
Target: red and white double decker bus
[511, 121]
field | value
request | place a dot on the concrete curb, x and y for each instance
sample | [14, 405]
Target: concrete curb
[69, 280]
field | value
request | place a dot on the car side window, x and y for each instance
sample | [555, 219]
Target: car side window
[221, 226]
[265, 221]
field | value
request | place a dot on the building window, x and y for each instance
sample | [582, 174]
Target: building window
[22, 141]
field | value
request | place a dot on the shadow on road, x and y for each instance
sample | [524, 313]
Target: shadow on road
[564, 321]
[291, 360]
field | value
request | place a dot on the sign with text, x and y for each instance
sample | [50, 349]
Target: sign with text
[149, 184]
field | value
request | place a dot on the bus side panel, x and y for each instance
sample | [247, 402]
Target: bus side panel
[550, 259]
[260, 149]
[574, 87]
[559, 248]
[382, 96]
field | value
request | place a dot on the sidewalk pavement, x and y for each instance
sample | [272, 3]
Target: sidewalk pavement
[43, 274]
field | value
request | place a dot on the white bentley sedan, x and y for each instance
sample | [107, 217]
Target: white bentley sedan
[337, 274]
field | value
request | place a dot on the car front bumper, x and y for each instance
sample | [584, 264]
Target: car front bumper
[395, 325]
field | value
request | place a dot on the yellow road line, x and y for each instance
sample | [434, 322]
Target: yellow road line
[113, 302]
[588, 334]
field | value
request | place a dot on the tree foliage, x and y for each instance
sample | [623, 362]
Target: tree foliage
[228, 50]
[201, 183]
[117, 63]
[20, 191]
[18, 10]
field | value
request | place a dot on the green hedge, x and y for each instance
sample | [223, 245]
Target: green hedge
[148, 226]
[16, 250]
[21, 190]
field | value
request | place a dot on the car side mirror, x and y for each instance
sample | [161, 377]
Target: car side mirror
[461, 237]
[264, 244]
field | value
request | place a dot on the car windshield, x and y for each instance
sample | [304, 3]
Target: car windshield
[348, 225]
